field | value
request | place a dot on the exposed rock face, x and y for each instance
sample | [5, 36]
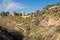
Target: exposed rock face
[54, 21]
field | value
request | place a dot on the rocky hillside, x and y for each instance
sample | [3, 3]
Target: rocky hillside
[42, 25]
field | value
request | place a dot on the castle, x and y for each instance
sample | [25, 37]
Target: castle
[22, 14]
[17, 14]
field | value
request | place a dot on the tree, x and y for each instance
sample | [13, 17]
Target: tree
[37, 12]
[28, 13]
[48, 6]
[58, 4]
[5, 14]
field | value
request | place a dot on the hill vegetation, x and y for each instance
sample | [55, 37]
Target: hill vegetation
[42, 25]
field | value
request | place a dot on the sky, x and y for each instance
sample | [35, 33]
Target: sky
[27, 6]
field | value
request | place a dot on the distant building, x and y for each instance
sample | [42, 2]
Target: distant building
[22, 14]
[32, 14]
[17, 14]
[13, 13]
[0, 16]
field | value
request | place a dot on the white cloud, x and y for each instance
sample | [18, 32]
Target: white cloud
[7, 5]
[14, 6]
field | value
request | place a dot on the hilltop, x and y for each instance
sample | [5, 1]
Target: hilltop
[42, 25]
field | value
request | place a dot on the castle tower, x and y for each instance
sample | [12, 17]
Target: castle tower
[23, 13]
[13, 13]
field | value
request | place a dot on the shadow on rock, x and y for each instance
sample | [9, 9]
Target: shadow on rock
[5, 35]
